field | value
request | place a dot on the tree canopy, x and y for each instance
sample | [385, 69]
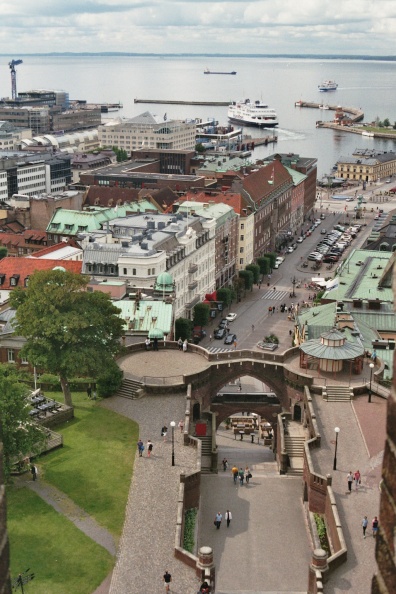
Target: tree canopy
[20, 435]
[68, 330]
[201, 314]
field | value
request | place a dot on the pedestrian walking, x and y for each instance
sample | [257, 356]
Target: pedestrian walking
[228, 517]
[164, 431]
[181, 425]
[364, 526]
[33, 470]
[241, 475]
[350, 481]
[149, 448]
[155, 344]
[89, 391]
[235, 345]
[180, 344]
[234, 472]
[225, 464]
[374, 526]
[252, 327]
[94, 395]
[217, 520]
[185, 343]
[167, 580]
[247, 474]
[140, 446]
[358, 479]
[147, 343]
[210, 338]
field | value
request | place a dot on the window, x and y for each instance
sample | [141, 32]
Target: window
[134, 271]
[124, 271]
[240, 260]
[11, 355]
[242, 237]
[24, 361]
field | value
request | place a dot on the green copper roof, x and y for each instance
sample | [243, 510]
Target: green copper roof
[149, 316]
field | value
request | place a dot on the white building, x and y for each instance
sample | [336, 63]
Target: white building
[148, 131]
[143, 247]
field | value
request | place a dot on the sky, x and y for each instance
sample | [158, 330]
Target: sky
[351, 27]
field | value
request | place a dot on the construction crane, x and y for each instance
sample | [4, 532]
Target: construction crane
[12, 65]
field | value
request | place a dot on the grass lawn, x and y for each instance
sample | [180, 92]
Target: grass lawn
[379, 130]
[94, 467]
[63, 559]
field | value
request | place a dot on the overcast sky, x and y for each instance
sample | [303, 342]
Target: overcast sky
[205, 26]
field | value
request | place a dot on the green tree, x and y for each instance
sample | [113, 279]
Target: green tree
[255, 269]
[183, 329]
[225, 295]
[68, 330]
[20, 435]
[386, 122]
[3, 252]
[272, 258]
[121, 154]
[239, 287]
[201, 314]
[264, 264]
[247, 277]
[199, 148]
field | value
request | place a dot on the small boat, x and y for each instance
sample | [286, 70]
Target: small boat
[323, 107]
[371, 134]
[252, 113]
[299, 103]
[207, 71]
[328, 85]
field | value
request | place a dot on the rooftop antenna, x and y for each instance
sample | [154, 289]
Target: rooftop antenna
[12, 65]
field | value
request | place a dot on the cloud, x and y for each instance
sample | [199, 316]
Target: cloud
[198, 26]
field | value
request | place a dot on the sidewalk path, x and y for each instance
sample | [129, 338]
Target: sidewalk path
[66, 506]
[355, 420]
[148, 539]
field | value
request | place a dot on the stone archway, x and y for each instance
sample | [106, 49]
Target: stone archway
[297, 413]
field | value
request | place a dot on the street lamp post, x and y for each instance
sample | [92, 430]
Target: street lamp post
[172, 424]
[337, 430]
[371, 377]
[294, 282]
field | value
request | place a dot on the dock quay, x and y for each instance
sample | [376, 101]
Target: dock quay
[104, 107]
[175, 102]
[356, 113]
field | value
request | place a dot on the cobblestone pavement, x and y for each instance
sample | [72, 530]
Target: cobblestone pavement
[148, 539]
[163, 363]
[356, 420]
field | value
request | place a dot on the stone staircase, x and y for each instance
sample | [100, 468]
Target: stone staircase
[294, 445]
[206, 454]
[130, 389]
[337, 393]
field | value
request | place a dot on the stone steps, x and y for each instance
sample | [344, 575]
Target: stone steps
[337, 393]
[131, 389]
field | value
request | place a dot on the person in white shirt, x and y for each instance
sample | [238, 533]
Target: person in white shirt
[228, 517]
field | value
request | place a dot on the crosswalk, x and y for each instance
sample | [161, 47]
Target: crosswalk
[218, 350]
[276, 295]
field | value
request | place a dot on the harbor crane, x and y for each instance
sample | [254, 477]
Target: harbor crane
[12, 65]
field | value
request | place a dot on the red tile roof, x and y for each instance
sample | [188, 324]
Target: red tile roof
[235, 200]
[261, 183]
[54, 248]
[22, 268]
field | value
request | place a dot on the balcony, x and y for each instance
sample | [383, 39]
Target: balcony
[192, 286]
[192, 268]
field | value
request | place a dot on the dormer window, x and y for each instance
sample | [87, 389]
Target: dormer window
[26, 281]
[14, 280]
[2, 279]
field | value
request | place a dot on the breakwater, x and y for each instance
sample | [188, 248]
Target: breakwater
[176, 102]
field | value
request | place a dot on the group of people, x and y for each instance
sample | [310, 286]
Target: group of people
[182, 345]
[204, 588]
[374, 526]
[141, 447]
[354, 478]
[219, 517]
[242, 475]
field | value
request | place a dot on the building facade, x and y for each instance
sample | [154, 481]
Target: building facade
[147, 132]
[367, 165]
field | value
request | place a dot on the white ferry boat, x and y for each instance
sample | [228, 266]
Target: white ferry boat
[328, 85]
[250, 113]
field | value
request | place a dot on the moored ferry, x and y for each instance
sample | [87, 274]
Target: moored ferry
[251, 113]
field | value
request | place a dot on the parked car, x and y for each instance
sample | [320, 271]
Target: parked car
[323, 231]
[231, 317]
[219, 333]
[290, 250]
[198, 334]
[223, 323]
[230, 338]
[300, 239]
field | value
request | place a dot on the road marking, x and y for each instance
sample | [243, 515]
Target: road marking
[275, 295]
[217, 350]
